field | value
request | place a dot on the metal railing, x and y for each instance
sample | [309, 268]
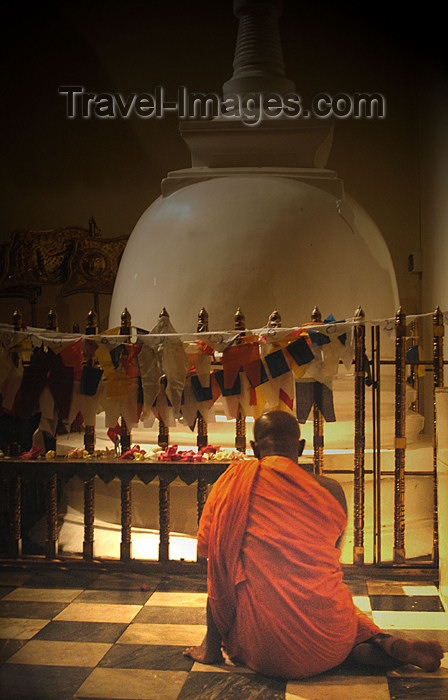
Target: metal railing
[15, 472]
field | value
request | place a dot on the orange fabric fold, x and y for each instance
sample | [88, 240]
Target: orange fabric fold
[274, 580]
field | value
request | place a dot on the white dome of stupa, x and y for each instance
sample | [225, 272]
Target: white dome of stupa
[257, 242]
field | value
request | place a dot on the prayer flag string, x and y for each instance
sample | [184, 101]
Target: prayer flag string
[173, 376]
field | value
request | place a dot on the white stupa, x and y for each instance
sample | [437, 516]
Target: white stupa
[257, 222]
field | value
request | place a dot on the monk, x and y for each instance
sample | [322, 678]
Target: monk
[276, 599]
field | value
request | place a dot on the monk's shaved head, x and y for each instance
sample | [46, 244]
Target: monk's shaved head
[277, 433]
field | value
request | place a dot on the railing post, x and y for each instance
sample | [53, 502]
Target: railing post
[376, 435]
[51, 544]
[400, 437]
[16, 520]
[163, 437]
[89, 430]
[438, 333]
[89, 445]
[14, 448]
[89, 518]
[52, 320]
[52, 325]
[125, 329]
[89, 438]
[415, 382]
[275, 320]
[125, 545]
[17, 319]
[125, 442]
[202, 437]
[164, 433]
[164, 490]
[240, 428]
[202, 493]
[359, 439]
[318, 420]
[74, 427]
[16, 494]
[164, 519]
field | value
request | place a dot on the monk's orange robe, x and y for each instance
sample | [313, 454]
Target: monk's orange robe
[274, 579]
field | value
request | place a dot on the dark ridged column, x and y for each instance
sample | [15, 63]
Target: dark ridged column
[258, 64]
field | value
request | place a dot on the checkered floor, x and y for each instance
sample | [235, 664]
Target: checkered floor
[83, 633]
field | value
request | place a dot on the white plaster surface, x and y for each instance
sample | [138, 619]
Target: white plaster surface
[256, 242]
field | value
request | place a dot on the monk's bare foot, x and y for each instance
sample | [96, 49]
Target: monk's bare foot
[425, 655]
[204, 654]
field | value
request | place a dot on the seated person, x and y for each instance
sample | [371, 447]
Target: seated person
[276, 598]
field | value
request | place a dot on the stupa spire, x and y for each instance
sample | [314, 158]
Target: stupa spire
[258, 64]
[226, 141]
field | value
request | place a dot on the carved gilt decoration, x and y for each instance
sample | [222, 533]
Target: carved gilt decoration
[76, 258]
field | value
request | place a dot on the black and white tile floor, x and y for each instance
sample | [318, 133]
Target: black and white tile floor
[84, 633]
